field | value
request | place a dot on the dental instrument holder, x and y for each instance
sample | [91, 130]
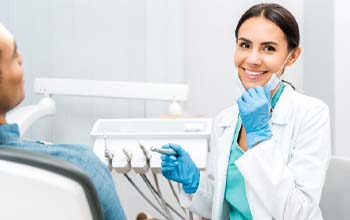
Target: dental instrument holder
[121, 161]
[108, 154]
[141, 162]
[128, 134]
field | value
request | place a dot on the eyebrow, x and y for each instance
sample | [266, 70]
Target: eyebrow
[264, 43]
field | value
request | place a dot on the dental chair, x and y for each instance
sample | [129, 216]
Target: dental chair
[335, 201]
[40, 187]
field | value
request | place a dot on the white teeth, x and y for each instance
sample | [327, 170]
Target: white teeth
[253, 73]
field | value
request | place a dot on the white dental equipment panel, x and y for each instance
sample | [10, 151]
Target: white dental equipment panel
[122, 139]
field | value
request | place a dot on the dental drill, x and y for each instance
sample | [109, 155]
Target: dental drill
[164, 151]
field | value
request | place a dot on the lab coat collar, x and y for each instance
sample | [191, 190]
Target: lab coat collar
[282, 110]
[229, 116]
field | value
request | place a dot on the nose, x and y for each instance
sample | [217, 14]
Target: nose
[254, 58]
[20, 58]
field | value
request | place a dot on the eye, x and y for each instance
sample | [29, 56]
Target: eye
[269, 48]
[244, 45]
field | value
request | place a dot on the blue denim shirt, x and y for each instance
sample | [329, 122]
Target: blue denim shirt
[80, 155]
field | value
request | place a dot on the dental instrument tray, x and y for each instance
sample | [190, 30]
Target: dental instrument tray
[130, 141]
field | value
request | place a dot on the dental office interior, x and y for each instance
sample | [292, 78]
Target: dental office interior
[119, 74]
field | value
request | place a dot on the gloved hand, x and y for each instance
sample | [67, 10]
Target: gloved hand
[254, 107]
[180, 168]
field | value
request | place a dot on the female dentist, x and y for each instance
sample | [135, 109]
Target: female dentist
[269, 152]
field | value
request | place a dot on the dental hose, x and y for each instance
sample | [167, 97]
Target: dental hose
[144, 196]
[161, 197]
[175, 195]
[153, 194]
[167, 204]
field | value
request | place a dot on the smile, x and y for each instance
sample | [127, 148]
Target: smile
[254, 73]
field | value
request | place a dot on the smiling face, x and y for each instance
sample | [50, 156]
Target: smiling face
[261, 50]
[11, 74]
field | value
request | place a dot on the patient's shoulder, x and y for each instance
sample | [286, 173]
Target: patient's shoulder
[75, 147]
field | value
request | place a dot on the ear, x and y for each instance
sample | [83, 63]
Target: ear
[294, 56]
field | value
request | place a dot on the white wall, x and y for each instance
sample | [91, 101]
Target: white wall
[341, 77]
[318, 53]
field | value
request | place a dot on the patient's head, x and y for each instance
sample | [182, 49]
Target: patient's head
[11, 74]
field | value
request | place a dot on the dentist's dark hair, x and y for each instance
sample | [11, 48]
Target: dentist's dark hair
[278, 15]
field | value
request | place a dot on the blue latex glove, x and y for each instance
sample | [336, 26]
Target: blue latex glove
[254, 107]
[180, 168]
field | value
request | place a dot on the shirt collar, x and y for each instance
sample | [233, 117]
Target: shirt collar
[9, 132]
[277, 95]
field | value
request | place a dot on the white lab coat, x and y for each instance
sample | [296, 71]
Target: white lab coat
[284, 175]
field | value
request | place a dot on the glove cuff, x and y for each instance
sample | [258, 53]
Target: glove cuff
[193, 185]
[258, 136]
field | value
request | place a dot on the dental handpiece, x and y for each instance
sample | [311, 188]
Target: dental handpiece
[164, 151]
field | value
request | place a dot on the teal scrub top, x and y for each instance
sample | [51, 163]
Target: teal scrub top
[235, 193]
